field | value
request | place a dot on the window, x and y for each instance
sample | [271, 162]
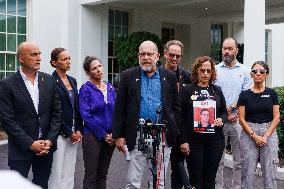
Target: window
[117, 26]
[12, 33]
[268, 58]
[266, 45]
[216, 42]
[168, 33]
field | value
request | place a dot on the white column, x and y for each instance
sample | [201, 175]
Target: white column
[94, 36]
[254, 31]
[200, 39]
[48, 27]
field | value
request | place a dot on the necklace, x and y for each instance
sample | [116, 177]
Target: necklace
[101, 86]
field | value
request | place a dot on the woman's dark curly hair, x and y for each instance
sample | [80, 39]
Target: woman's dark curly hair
[87, 63]
[197, 64]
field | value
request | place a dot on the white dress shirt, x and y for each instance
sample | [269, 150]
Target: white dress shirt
[32, 88]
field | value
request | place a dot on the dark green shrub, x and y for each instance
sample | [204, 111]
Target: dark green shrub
[126, 48]
[280, 128]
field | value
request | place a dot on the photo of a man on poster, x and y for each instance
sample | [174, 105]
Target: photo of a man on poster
[204, 119]
[204, 115]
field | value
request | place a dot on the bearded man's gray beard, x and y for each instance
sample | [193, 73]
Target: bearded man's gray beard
[228, 59]
[146, 68]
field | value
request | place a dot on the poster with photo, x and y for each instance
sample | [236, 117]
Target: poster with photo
[204, 114]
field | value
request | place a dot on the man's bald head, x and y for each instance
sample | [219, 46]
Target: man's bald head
[148, 56]
[148, 44]
[25, 46]
[29, 56]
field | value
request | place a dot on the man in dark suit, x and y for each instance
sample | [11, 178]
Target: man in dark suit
[141, 91]
[173, 55]
[30, 113]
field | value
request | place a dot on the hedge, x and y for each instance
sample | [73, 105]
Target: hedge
[126, 48]
[280, 128]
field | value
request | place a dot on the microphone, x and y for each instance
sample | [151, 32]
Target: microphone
[158, 112]
[141, 121]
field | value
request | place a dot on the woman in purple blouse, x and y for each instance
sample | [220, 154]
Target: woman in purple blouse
[96, 102]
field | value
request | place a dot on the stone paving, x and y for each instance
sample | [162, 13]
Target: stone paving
[118, 169]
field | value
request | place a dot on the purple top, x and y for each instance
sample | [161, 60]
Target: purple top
[97, 114]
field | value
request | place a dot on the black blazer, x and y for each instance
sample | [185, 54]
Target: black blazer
[20, 119]
[184, 76]
[187, 110]
[68, 113]
[127, 106]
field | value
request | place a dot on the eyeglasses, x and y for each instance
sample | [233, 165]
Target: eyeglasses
[205, 70]
[172, 55]
[261, 71]
[143, 54]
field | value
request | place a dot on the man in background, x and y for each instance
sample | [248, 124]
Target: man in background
[173, 55]
[233, 78]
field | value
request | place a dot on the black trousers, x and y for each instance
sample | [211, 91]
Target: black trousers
[203, 161]
[41, 168]
[97, 156]
[179, 176]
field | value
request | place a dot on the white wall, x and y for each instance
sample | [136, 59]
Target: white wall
[82, 30]
[183, 34]
[74, 39]
[254, 31]
[94, 35]
[195, 34]
[48, 27]
[144, 20]
[200, 37]
[277, 55]
[237, 31]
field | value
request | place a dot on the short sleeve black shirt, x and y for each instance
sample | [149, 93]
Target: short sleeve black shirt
[258, 106]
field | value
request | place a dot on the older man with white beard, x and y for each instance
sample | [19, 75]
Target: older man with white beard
[142, 90]
[233, 78]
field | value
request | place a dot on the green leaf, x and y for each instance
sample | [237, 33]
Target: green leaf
[126, 48]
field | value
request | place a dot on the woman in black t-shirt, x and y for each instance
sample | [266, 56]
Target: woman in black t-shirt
[204, 148]
[258, 109]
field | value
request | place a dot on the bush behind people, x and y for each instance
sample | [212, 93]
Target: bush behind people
[280, 128]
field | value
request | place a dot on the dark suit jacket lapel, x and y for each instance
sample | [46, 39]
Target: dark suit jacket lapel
[163, 78]
[41, 90]
[21, 84]
[59, 81]
[137, 81]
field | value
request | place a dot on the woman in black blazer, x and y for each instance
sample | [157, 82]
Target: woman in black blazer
[203, 147]
[64, 159]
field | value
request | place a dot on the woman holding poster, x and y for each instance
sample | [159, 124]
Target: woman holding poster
[203, 115]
